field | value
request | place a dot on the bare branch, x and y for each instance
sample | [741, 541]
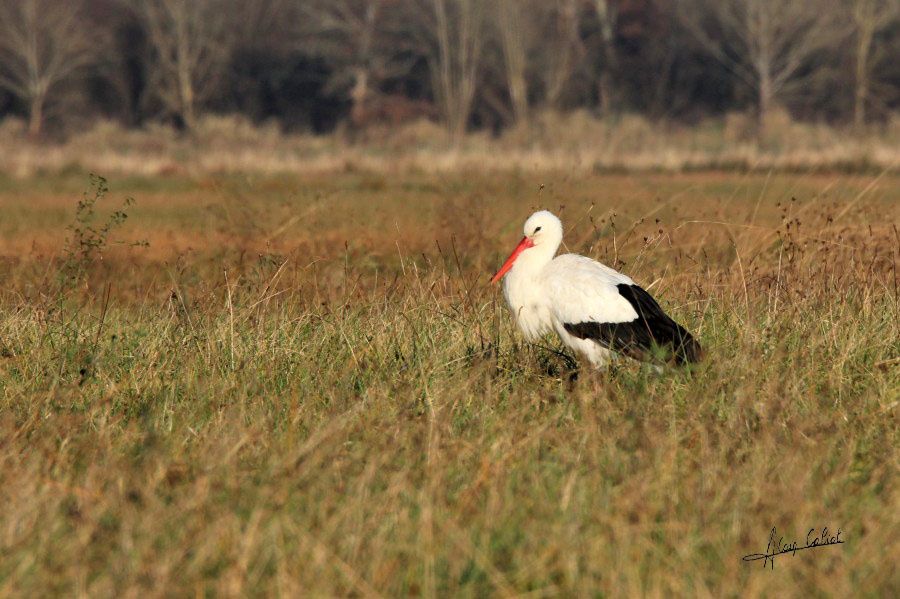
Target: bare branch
[363, 41]
[869, 17]
[765, 43]
[42, 45]
[191, 50]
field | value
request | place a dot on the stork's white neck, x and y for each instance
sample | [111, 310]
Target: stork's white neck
[524, 291]
[534, 259]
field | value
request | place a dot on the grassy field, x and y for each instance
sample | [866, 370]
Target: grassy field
[270, 385]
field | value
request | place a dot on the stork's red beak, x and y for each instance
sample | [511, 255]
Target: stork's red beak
[523, 245]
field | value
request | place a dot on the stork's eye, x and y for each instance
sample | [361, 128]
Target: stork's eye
[536, 230]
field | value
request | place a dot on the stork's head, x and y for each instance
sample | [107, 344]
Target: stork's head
[543, 234]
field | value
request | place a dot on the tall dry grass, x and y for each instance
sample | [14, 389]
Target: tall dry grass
[573, 142]
[321, 394]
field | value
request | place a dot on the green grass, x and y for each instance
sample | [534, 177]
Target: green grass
[284, 414]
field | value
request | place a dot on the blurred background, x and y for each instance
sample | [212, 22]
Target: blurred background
[321, 65]
[640, 77]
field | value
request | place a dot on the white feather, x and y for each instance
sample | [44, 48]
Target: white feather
[545, 293]
[579, 289]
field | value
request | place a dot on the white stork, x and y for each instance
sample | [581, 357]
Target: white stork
[593, 308]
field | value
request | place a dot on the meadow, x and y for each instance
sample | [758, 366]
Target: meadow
[273, 384]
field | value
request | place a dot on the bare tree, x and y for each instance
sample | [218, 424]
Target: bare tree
[358, 39]
[869, 18]
[456, 29]
[43, 44]
[542, 49]
[513, 24]
[770, 45]
[191, 50]
[607, 15]
[561, 50]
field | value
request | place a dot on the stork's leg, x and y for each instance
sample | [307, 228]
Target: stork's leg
[598, 356]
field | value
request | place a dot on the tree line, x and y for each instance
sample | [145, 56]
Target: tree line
[472, 64]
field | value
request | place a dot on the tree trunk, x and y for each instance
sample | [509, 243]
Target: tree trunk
[185, 71]
[565, 45]
[604, 92]
[458, 118]
[764, 101]
[762, 50]
[862, 91]
[36, 116]
[512, 33]
[607, 17]
[188, 112]
[186, 96]
[459, 47]
[359, 95]
[519, 96]
[866, 31]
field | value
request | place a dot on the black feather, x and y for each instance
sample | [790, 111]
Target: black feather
[638, 338]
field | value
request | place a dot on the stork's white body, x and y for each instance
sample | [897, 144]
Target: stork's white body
[569, 288]
[574, 296]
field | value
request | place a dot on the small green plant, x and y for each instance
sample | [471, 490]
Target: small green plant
[87, 243]
[88, 240]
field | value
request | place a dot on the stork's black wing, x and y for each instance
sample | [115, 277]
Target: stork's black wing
[637, 339]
